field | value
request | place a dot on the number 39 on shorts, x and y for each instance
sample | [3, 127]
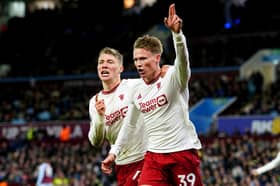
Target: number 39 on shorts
[187, 180]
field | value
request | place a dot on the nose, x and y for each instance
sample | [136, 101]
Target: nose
[103, 66]
[138, 63]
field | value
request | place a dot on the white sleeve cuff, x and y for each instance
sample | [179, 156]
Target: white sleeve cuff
[114, 150]
[178, 36]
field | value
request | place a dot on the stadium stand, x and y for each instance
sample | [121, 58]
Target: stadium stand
[48, 74]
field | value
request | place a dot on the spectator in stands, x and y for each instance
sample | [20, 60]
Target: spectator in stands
[65, 133]
[60, 179]
[45, 172]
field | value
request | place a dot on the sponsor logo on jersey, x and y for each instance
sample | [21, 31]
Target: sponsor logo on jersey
[116, 116]
[154, 103]
[139, 96]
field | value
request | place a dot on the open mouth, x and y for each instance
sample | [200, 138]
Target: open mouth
[140, 71]
[105, 73]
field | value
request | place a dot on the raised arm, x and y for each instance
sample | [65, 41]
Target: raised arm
[96, 134]
[182, 64]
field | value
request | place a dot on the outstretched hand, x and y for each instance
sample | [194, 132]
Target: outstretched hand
[173, 21]
[254, 172]
[107, 163]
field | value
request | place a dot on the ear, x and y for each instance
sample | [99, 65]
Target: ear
[158, 56]
[121, 68]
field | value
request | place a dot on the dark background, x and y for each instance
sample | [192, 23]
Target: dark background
[67, 40]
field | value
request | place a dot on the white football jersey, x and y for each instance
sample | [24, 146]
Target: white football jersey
[116, 106]
[166, 116]
[164, 106]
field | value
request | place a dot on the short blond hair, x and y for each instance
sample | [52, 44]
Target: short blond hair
[150, 43]
[113, 52]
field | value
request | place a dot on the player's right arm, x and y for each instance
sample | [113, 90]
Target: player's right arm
[126, 133]
[267, 167]
[96, 134]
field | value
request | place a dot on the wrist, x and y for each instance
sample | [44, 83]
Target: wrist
[114, 150]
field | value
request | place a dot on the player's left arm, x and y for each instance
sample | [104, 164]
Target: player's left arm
[127, 129]
[182, 64]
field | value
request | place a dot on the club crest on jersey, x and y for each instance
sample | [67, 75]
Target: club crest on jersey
[121, 96]
[158, 85]
[139, 96]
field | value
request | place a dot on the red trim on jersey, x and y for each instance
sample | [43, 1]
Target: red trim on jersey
[112, 90]
[154, 80]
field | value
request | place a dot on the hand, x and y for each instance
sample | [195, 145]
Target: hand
[107, 163]
[173, 22]
[254, 172]
[99, 105]
[164, 69]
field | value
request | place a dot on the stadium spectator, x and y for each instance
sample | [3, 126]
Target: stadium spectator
[221, 153]
[65, 133]
[172, 156]
[45, 172]
[60, 179]
[107, 110]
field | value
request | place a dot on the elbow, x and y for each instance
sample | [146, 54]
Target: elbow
[95, 143]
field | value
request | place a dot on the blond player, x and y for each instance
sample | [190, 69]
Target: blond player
[171, 157]
[108, 108]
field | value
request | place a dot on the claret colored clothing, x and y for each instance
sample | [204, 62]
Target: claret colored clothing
[45, 175]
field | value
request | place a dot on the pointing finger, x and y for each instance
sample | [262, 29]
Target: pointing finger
[172, 11]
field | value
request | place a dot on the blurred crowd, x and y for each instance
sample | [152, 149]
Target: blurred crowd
[21, 104]
[56, 101]
[68, 43]
[74, 163]
[226, 161]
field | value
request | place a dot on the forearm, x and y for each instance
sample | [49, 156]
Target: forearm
[126, 130]
[269, 166]
[96, 133]
[182, 64]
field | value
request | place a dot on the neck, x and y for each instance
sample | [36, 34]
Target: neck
[154, 77]
[109, 85]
